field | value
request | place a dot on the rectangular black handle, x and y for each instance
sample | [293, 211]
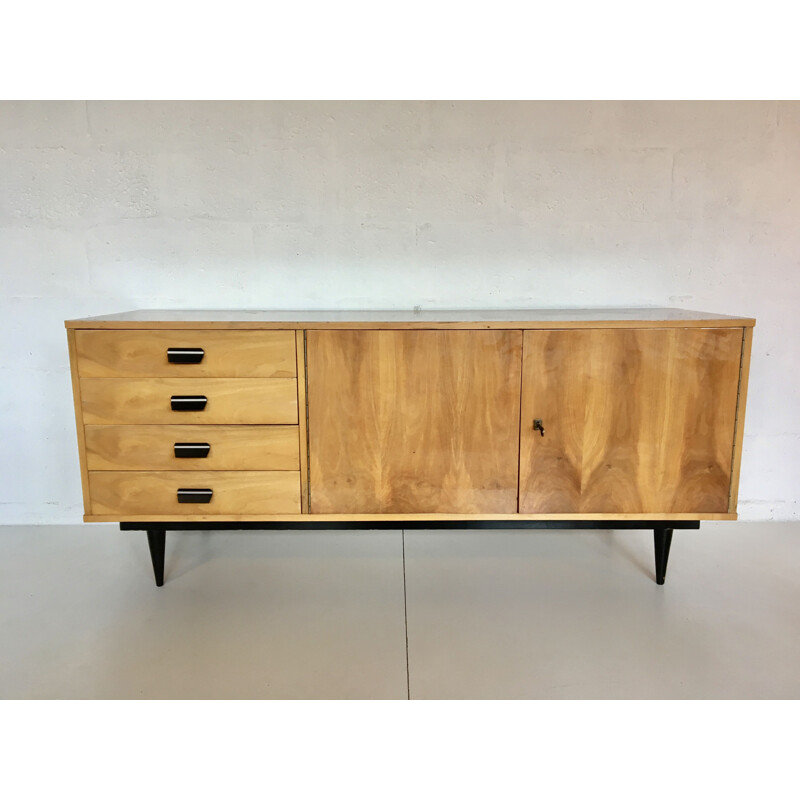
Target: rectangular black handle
[188, 402]
[192, 449]
[185, 355]
[195, 495]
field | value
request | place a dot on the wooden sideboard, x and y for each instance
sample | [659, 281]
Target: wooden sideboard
[528, 418]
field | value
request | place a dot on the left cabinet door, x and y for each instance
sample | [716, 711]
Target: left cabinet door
[413, 421]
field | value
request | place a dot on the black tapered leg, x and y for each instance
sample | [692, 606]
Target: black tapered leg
[662, 538]
[157, 539]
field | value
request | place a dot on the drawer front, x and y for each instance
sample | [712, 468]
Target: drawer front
[235, 401]
[135, 493]
[192, 447]
[221, 354]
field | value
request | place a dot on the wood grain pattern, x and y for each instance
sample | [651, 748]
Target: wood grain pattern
[76, 399]
[228, 354]
[233, 447]
[302, 412]
[235, 401]
[413, 421]
[638, 421]
[503, 319]
[150, 493]
[738, 442]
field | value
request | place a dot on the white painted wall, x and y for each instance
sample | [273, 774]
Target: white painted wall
[109, 206]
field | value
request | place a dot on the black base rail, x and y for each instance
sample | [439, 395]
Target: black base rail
[662, 531]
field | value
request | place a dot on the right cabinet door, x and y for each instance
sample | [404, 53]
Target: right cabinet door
[634, 421]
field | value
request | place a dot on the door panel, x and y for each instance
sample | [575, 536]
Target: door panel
[635, 421]
[413, 421]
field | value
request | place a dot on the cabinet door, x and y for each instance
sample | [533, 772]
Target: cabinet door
[403, 422]
[635, 421]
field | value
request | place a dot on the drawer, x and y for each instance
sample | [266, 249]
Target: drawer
[221, 354]
[203, 447]
[235, 401]
[135, 493]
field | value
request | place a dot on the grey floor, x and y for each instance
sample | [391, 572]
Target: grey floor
[425, 614]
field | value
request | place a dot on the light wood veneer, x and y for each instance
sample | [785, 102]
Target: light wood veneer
[232, 447]
[155, 493]
[466, 319]
[227, 354]
[413, 421]
[233, 401]
[635, 420]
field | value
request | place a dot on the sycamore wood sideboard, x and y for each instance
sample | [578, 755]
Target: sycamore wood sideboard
[530, 418]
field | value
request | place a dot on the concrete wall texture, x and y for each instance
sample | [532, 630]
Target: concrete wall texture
[109, 206]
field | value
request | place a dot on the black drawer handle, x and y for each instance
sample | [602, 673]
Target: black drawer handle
[195, 495]
[185, 355]
[188, 402]
[192, 449]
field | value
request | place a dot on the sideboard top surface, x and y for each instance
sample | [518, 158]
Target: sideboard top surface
[526, 318]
